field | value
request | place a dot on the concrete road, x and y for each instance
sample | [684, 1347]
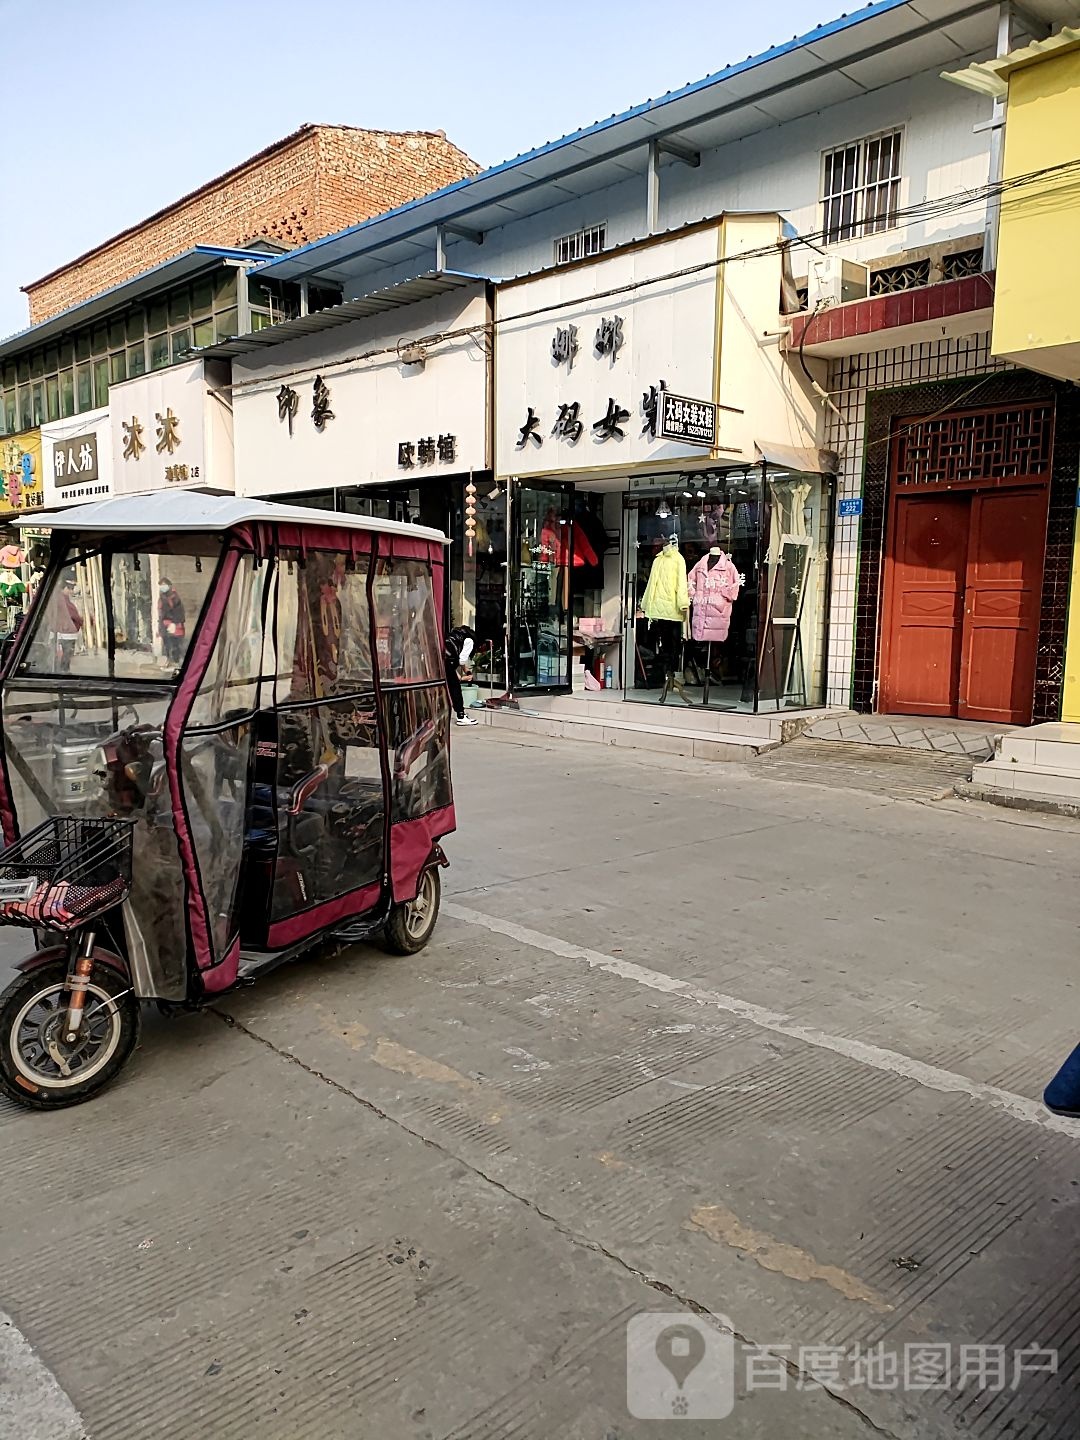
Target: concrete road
[732, 1074]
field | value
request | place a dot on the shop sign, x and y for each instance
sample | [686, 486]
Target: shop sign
[20, 473]
[76, 459]
[160, 425]
[577, 382]
[426, 450]
[693, 422]
[413, 408]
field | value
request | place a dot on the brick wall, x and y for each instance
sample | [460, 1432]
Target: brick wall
[316, 181]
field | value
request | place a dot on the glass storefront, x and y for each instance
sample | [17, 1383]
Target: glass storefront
[726, 583]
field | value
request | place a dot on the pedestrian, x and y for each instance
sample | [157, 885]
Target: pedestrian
[457, 651]
[66, 623]
[1062, 1095]
[170, 621]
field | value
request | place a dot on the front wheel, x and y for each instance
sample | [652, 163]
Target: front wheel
[38, 1068]
[411, 924]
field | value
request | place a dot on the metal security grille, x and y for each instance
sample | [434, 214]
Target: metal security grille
[963, 262]
[861, 189]
[893, 278]
[581, 244]
[1000, 444]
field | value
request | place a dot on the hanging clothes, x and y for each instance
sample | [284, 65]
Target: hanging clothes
[713, 585]
[666, 596]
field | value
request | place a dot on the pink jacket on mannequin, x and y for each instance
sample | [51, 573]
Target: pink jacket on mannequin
[712, 592]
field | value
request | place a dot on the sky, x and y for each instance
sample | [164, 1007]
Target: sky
[125, 105]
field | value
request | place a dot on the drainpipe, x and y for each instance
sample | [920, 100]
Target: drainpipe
[652, 205]
[997, 143]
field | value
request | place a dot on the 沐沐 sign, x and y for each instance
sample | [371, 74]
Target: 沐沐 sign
[693, 422]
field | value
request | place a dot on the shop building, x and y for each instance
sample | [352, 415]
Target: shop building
[308, 184]
[381, 406]
[885, 175]
[650, 433]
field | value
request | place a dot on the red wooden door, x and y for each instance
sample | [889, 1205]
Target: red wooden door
[924, 611]
[1001, 607]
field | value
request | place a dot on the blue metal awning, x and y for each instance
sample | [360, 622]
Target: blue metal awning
[195, 261]
[857, 53]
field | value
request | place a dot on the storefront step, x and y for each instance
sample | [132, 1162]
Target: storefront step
[699, 743]
[606, 709]
[1034, 768]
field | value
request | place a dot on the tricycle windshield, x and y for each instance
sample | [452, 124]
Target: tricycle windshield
[122, 612]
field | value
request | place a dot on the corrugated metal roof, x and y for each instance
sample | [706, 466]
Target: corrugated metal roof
[991, 77]
[850, 56]
[169, 272]
[393, 297]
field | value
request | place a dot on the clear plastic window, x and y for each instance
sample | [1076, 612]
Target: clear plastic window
[230, 687]
[417, 729]
[407, 632]
[128, 615]
[323, 626]
[328, 804]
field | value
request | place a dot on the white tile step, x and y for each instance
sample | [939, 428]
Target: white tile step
[1027, 779]
[632, 734]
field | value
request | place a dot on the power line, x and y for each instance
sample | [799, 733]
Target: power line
[922, 210]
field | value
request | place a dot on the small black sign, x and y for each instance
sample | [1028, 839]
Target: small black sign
[693, 422]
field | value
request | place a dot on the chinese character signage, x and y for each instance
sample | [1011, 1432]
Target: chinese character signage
[20, 473]
[169, 427]
[585, 357]
[693, 422]
[76, 459]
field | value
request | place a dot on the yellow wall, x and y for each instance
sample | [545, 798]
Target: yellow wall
[20, 473]
[1036, 307]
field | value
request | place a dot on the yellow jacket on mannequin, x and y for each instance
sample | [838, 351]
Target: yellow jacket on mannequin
[666, 595]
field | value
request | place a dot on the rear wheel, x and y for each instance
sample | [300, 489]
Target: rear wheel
[38, 1067]
[411, 924]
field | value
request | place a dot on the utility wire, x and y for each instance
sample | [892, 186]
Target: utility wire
[922, 210]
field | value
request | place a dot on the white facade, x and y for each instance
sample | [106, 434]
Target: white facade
[379, 402]
[77, 459]
[779, 168]
[172, 430]
[692, 315]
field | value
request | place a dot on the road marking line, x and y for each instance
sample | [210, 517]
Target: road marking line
[932, 1077]
[32, 1401]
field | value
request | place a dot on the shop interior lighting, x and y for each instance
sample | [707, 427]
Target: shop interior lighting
[663, 510]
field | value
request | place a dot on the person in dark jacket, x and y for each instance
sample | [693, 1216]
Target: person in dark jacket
[170, 621]
[457, 651]
[1062, 1095]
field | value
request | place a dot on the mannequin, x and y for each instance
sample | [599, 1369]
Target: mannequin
[666, 605]
[713, 586]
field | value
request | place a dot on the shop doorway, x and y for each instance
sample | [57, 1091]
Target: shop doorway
[963, 579]
[541, 556]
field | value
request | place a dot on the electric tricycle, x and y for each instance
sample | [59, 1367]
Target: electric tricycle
[225, 742]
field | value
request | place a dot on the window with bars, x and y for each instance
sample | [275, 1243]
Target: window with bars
[580, 244]
[861, 187]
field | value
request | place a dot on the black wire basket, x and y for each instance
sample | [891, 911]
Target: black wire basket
[65, 872]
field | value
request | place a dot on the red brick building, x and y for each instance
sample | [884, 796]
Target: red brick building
[312, 183]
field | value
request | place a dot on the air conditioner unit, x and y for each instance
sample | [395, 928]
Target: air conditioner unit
[832, 281]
